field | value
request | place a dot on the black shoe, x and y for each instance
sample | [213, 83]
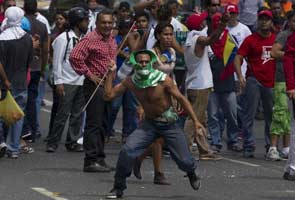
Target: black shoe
[2, 151]
[234, 147]
[95, 167]
[74, 147]
[115, 194]
[194, 180]
[136, 169]
[38, 135]
[104, 164]
[51, 148]
[28, 137]
[160, 179]
[288, 176]
[216, 148]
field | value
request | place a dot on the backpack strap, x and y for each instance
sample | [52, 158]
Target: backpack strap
[67, 46]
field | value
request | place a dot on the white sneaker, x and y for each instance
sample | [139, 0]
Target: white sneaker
[80, 141]
[285, 153]
[273, 154]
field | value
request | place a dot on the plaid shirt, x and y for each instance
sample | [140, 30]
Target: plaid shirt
[92, 54]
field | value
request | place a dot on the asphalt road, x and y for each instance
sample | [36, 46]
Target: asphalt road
[59, 176]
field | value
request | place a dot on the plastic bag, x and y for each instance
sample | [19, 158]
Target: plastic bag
[10, 111]
[125, 70]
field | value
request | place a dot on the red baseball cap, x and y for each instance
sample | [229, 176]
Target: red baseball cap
[194, 21]
[231, 8]
[265, 12]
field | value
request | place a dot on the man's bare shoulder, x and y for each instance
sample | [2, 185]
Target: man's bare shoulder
[167, 82]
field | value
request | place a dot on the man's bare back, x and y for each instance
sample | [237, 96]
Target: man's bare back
[154, 100]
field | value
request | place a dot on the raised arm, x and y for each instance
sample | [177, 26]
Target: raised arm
[111, 92]
[141, 5]
[204, 41]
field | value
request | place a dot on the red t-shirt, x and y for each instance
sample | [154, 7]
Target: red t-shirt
[289, 62]
[257, 50]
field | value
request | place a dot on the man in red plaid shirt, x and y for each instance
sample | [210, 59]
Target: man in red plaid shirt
[92, 57]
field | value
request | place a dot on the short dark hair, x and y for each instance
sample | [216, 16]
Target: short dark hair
[142, 13]
[124, 4]
[30, 6]
[208, 2]
[274, 1]
[62, 13]
[169, 2]
[105, 11]
[160, 27]
[164, 13]
[139, 52]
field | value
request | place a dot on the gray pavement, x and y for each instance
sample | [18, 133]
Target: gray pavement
[59, 176]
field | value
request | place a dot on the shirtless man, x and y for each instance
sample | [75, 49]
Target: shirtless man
[153, 90]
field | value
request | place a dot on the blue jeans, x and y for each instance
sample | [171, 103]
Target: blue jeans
[30, 121]
[253, 92]
[41, 94]
[128, 101]
[142, 137]
[241, 98]
[228, 103]
[15, 130]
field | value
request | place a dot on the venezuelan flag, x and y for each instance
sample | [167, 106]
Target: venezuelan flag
[230, 50]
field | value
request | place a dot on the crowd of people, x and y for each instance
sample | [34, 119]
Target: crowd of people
[181, 81]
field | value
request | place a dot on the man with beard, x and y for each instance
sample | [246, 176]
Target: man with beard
[68, 83]
[153, 90]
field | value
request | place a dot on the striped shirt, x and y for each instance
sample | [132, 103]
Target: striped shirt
[92, 54]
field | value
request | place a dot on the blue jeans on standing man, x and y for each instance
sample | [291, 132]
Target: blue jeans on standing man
[30, 121]
[128, 101]
[253, 92]
[228, 103]
[15, 130]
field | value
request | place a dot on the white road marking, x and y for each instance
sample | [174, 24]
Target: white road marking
[241, 162]
[46, 110]
[283, 191]
[47, 193]
[47, 102]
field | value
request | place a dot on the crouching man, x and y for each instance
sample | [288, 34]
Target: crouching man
[154, 90]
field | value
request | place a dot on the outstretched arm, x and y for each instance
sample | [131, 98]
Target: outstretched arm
[173, 90]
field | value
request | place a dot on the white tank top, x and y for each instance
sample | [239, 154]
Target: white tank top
[199, 75]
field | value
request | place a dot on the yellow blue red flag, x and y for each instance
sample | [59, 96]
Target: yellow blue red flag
[230, 50]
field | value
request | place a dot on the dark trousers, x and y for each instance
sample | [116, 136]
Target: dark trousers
[70, 106]
[30, 121]
[54, 110]
[142, 137]
[96, 124]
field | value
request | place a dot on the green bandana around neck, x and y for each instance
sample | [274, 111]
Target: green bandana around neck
[147, 76]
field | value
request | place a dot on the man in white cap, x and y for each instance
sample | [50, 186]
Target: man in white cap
[16, 49]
